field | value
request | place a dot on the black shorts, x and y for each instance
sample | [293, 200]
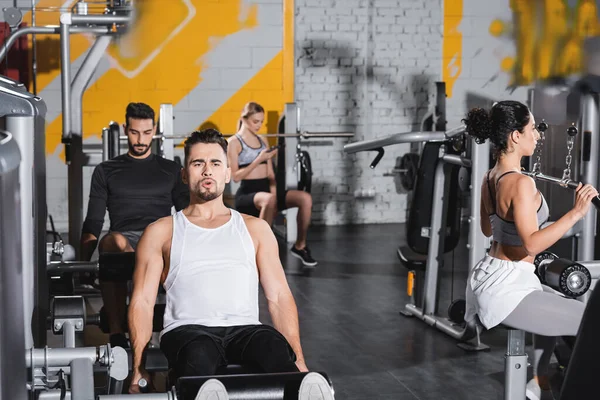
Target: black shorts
[196, 350]
[244, 197]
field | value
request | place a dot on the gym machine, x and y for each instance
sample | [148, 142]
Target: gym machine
[12, 330]
[424, 305]
[105, 19]
[580, 106]
[23, 115]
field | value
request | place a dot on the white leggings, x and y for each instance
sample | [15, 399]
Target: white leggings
[546, 315]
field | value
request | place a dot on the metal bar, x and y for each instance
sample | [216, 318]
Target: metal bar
[147, 396]
[478, 243]
[593, 267]
[82, 379]
[566, 183]
[398, 138]
[55, 394]
[167, 147]
[60, 357]
[60, 267]
[68, 334]
[105, 144]
[435, 250]
[589, 170]
[456, 160]
[65, 78]
[99, 19]
[515, 366]
[12, 330]
[82, 80]
[290, 135]
[8, 43]
[33, 51]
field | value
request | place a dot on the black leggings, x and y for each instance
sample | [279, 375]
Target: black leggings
[244, 197]
[195, 350]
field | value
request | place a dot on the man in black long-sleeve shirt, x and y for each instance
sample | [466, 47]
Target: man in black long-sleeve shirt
[137, 188]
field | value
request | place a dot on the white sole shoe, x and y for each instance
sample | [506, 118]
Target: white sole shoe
[314, 386]
[212, 389]
[305, 263]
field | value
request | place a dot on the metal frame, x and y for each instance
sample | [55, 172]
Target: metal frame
[590, 131]
[23, 115]
[515, 366]
[12, 330]
[71, 112]
[478, 243]
[477, 246]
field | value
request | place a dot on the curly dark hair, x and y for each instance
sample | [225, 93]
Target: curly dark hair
[496, 125]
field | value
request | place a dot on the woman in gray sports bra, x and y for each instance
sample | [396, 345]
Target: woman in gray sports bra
[250, 162]
[502, 288]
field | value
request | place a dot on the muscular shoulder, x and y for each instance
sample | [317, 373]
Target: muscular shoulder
[161, 230]
[523, 185]
[258, 228]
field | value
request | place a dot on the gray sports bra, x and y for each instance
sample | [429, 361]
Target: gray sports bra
[248, 154]
[505, 232]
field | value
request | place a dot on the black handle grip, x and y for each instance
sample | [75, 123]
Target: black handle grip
[378, 158]
[573, 185]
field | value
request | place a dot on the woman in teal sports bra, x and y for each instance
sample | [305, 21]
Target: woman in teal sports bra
[502, 288]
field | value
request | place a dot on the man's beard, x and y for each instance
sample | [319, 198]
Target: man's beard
[206, 195]
[138, 150]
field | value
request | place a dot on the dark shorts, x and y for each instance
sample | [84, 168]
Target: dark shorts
[244, 197]
[196, 350]
[133, 237]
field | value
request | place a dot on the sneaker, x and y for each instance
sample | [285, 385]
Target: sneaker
[119, 340]
[304, 255]
[314, 386]
[534, 392]
[212, 389]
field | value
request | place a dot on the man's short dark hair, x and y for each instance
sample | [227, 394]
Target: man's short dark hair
[204, 136]
[138, 111]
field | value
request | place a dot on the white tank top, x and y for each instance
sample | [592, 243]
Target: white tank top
[213, 278]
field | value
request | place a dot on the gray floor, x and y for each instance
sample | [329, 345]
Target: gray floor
[351, 329]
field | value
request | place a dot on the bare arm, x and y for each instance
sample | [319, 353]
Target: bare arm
[486, 225]
[282, 306]
[536, 240]
[87, 246]
[149, 267]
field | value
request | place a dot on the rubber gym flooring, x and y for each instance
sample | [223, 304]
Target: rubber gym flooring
[350, 326]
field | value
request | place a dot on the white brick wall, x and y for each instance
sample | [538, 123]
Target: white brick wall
[364, 66]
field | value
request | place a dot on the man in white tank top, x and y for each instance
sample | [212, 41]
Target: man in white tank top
[210, 260]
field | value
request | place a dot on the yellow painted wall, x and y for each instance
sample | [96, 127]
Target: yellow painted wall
[161, 61]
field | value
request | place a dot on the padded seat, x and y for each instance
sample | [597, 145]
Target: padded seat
[412, 260]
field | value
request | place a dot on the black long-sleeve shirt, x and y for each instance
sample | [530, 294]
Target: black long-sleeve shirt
[136, 192]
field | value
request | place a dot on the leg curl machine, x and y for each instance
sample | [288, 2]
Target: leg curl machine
[240, 381]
